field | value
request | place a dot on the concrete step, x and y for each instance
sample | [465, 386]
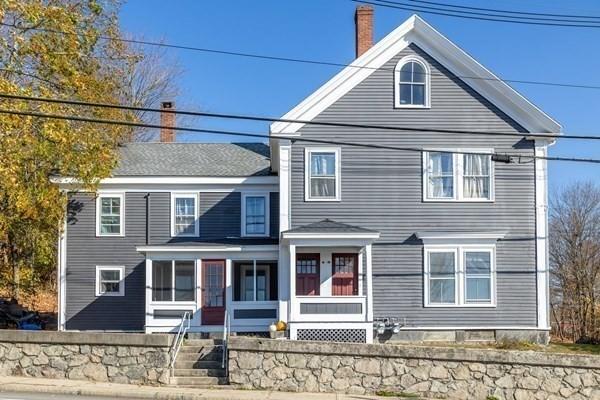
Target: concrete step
[185, 364]
[198, 380]
[200, 349]
[199, 372]
[202, 342]
[206, 335]
[190, 356]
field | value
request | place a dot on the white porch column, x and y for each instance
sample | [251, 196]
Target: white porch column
[148, 293]
[292, 286]
[284, 265]
[369, 279]
[228, 287]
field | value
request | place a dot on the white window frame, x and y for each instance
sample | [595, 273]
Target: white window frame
[99, 269]
[266, 196]
[458, 165]
[307, 170]
[172, 261]
[99, 198]
[460, 275]
[254, 268]
[185, 195]
[427, 91]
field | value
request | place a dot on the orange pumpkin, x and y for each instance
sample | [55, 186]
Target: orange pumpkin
[281, 326]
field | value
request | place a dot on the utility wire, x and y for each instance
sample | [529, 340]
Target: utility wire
[457, 14]
[290, 120]
[487, 14]
[297, 60]
[291, 138]
[504, 11]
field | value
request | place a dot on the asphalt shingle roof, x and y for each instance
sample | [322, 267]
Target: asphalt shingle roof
[329, 226]
[193, 159]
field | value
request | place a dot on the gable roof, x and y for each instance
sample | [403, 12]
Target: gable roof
[194, 159]
[329, 226]
[416, 30]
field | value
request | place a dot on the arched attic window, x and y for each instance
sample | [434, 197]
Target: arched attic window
[412, 83]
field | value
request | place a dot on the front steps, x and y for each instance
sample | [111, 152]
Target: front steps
[198, 364]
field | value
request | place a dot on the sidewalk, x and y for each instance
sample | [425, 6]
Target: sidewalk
[115, 390]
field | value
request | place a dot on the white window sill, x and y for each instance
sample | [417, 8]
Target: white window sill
[429, 200]
[426, 107]
[323, 200]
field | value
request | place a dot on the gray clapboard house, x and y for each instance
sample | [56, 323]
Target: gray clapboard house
[444, 240]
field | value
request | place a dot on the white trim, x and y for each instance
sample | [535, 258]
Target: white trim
[307, 174]
[173, 180]
[202, 249]
[541, 234]
[267, 197]
[108, 194]
[184, 195]
[62, 276]
[121, 269]
[416, 30]
[427, 84]
[458, 238]
[458, 176]
[460, 275]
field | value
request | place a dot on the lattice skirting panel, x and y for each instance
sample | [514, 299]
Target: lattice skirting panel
[333, 335]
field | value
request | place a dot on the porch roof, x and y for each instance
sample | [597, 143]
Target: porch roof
[328, 229]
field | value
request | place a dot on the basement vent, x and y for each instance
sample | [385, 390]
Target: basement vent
[333, 335]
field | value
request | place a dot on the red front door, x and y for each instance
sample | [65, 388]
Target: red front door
[307, 274]
[213, 292]
[345, 275]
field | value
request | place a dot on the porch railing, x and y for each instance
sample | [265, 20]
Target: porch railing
[226, 331]
[184, 326]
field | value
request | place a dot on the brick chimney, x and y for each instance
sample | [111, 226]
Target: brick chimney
[364, 28]
[167, 122]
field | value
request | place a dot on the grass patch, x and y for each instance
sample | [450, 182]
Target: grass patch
[390, 393]
[517, 345]
[574, 348]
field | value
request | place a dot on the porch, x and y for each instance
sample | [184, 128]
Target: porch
[212, 284]
[330, 282]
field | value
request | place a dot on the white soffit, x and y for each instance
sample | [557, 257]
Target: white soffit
[416, 30]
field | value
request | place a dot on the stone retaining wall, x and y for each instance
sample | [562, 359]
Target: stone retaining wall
[101, 357]
[438, 372]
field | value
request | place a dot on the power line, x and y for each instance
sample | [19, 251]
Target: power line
[504, 11]
[298, 60]
[456, 14]
[291, 138]
[290, 120]
[512, 15]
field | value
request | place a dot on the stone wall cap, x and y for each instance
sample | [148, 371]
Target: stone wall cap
[91, 338]
[489, 356]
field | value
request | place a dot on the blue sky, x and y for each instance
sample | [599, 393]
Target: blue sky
[324, 30]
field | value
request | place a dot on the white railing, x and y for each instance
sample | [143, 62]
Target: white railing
[184, 326]
[226, 330]
[297, 302]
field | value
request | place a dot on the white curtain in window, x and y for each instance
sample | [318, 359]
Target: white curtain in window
[476, 176]
[322, 172]
[441, 175]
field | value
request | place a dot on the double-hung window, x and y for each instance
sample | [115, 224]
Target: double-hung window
[322, 174]
[173, 280]
[459, 276]
[456, 176]
[255, 214]
[109, 214]
[184, 214]
[110, 281]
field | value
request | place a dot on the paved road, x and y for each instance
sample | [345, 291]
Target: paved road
[42, 396]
